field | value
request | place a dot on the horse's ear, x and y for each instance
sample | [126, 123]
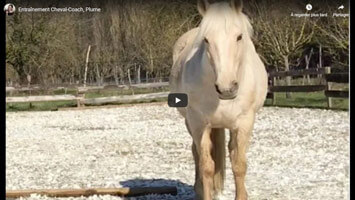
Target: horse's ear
[202, 6]
[237, 5]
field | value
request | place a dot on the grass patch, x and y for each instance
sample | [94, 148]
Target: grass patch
[39, 106]
[134, 102]
[115, 92]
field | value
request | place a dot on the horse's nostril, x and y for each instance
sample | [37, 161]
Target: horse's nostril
[235, 85]
[217, 89]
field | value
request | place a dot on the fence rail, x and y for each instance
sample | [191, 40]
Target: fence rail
[334, 93]
[297, 88]
[312, 71]
[338, 78]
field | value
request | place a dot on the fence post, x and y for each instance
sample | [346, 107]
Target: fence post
[329, 99]
[80, 97]
[273, 83]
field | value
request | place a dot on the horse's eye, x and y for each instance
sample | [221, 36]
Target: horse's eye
[239, 37]
[206, 40]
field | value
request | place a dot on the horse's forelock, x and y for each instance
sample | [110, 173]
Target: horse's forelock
[219, 16]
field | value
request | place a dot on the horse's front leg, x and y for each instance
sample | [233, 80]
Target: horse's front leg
[206, 163]
[198, 181]
[202, 147]
[238, 144]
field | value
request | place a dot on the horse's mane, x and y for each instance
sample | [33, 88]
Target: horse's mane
[220, 16]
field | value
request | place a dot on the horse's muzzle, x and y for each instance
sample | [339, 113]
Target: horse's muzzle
[227, 94]
[227, 97]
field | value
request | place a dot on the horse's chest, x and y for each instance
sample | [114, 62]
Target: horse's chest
[225, 115]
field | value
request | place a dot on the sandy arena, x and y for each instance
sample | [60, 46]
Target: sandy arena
[295, 154]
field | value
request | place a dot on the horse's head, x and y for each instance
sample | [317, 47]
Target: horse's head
[224, 33]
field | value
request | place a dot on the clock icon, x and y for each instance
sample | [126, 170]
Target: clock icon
[309, 6]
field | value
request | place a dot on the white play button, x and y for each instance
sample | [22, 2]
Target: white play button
[177, 100]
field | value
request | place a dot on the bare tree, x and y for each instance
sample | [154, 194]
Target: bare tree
[282, 39]
[333, 35]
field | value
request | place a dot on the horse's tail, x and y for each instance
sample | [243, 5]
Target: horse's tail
[219, 157]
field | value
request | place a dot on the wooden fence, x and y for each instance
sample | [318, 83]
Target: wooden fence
[328, 76]
[329, 92]
[79, 97]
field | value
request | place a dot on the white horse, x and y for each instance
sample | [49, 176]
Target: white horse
[217, 66]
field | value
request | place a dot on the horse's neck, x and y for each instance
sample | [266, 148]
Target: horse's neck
[246, 75]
